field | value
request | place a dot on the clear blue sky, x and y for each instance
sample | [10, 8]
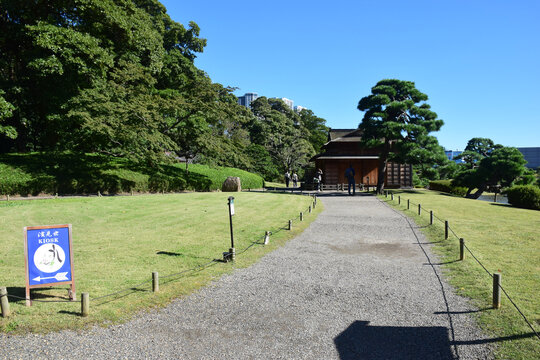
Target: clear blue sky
[478, 61]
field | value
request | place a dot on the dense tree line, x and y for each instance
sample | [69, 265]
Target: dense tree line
[117, 77]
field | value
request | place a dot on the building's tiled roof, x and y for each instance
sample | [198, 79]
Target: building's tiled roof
[344, 135]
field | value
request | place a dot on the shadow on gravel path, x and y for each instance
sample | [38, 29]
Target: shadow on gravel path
[369, 342]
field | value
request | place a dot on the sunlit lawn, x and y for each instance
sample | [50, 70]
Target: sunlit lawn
[119, 241]
[504, 239]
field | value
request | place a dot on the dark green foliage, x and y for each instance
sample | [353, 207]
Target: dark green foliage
[398, 122]
[524, 196]
[447, 186]
[316, 126]
[280, 131]
[498, 166]
[117, 78]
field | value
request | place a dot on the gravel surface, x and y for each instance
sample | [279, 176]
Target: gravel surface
[359, 283]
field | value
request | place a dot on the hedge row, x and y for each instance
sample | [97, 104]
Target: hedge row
[33, 174]
[447, 187]
[524, 196]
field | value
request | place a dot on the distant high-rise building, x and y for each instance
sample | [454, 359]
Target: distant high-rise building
[247, 99]
[299, 108]
[532, 155]
[288, 102]
[451, 154]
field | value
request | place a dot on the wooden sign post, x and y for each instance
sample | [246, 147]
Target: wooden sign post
[48, 258]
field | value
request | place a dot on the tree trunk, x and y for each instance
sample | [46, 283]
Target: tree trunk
[383, 161]
[478, 192]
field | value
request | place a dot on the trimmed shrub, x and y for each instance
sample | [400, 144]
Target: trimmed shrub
[446, 186]
[524, 196]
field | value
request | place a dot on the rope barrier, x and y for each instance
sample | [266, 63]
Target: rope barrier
[491, 275]
[45, 301]
[133, 287]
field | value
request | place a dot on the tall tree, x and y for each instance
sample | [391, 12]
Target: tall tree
[396, 117]
[278, 129]
[498, 166]
[61, 61]
[477, 148]
[316, 126]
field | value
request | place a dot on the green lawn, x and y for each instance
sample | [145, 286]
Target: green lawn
[119, 241]
[503, 238]
[67, 173]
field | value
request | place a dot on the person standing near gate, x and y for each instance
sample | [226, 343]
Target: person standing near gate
[294, 179]
[318, 178]
[349, 174]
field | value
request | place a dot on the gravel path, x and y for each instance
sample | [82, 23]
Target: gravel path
[359, 283]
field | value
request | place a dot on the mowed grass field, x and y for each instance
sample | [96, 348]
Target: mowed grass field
[504, 239]
[119, 241]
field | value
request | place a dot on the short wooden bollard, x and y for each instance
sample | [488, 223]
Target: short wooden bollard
[496, 290]
[266, 237]
[392, 197]
[445, 229]
[290, 224]
[430, 217]
[419, 209]
[155, 281]
[399, 200]
[314, 203]
[386, 194]
[408, 204]
[309, 209]
[85, 304]
[461, 249]
[301, 216]
[4, 302]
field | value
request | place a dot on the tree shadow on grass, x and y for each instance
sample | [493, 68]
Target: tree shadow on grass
[67, 173]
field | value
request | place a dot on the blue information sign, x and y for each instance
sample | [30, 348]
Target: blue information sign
[48, 257]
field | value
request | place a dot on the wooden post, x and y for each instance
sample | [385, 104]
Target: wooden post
[290, 224]
[461, 249]
[430, 217]
[419, 209]
[445, 229]
[266, 237]
[85, 304]
[496, 290]
[155, 281]
[309, 209]
[399, 200]
[4, 302]
[392, 196]
[301, 216]
[408, 204]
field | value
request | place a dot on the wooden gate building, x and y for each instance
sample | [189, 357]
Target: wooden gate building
[343, 149]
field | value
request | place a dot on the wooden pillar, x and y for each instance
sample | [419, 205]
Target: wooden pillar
[496, 290]
[4, 302]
